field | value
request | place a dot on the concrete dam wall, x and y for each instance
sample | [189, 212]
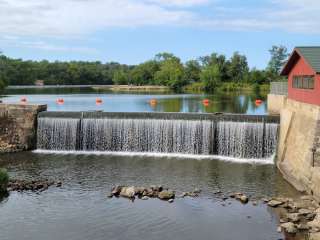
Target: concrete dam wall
[231, 135]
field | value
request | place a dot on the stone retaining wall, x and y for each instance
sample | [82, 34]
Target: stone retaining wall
[18, 124]
[276, 103]
[299, 146]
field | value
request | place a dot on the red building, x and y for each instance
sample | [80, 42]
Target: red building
[303, 71]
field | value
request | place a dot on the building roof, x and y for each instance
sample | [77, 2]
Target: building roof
[310, 54]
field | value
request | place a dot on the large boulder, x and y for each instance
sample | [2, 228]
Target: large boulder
[127, 192]
[166, 195]
[289, 227]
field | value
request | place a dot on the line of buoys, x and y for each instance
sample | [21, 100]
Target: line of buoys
[60, 101]
[23, 100]
[99, 101]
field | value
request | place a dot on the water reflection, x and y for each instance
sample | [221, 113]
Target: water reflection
[85, 100]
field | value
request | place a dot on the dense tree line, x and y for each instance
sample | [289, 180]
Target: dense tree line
[164, 69]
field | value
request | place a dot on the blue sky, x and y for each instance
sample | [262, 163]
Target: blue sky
[132, 31]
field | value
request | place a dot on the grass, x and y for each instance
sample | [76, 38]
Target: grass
[4, 179]
[229, 87]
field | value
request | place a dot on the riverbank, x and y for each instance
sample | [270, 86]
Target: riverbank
[95, 87]
[197, 87]
[229, 87]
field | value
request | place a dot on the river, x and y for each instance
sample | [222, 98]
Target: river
[81, 210]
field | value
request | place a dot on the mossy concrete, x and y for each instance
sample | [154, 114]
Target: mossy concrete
[18, 124]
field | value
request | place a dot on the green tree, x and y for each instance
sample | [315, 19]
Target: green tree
[171, 72]
[120, 77]
[144, 73]
[217, 60]
[238, 68]
[192, 71]
[3, 77]
[257, 76]
[211, 77]
[279, 55]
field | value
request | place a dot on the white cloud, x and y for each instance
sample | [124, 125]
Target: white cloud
[74, 18]
[180, 3]
[67, 17]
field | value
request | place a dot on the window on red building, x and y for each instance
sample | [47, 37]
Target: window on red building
[303, 82]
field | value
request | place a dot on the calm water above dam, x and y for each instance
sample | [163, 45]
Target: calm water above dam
[140, 102]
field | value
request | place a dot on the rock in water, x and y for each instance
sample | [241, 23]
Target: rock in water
[293, 217]
[244, 199]
[274, 203]
[145, 198]
[166, 195]
[289, 227]
[116, 190]
[170, 200]
[127, 192]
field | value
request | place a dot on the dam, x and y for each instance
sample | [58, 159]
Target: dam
[229, 135]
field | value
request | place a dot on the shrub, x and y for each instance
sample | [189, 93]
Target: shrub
[4, 179]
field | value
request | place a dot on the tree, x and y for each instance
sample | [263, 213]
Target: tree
[279, 57]
[257, 76]
[211, 77]
[192, 71]
[120, 77]
[171, 72]
[3, 78]
[217, 60]
[144, 73]
[238, 67]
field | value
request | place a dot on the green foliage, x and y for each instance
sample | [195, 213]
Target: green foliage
[171, 72]
[120, 77]
[208, 73]
[192, 71]
[143, 74]
[3, 76]
[211, 77]
[238, 68]
[4, 179]
[279, 55]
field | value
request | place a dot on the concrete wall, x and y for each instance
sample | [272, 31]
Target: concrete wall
[276, 103]
[299, 146]
[18, 124]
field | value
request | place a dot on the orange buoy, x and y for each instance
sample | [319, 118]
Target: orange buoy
[60, 101]
[99, 101]
[258, 102]
[23, 100]
[153, 102]
[206, 102]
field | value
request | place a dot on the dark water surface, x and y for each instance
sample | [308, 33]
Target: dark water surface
[85, 100]
[80, 209]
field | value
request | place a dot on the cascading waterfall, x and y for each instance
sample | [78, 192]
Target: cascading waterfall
[198, 137]
[58, 134]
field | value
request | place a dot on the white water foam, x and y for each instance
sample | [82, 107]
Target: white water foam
[265, 161]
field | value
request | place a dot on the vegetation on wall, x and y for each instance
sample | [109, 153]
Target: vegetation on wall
[206, 73]
[4, 180]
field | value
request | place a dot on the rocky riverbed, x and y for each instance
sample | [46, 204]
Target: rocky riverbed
[297, 216]
[32, 185]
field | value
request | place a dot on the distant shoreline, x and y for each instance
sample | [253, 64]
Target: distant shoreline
[105, 87]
